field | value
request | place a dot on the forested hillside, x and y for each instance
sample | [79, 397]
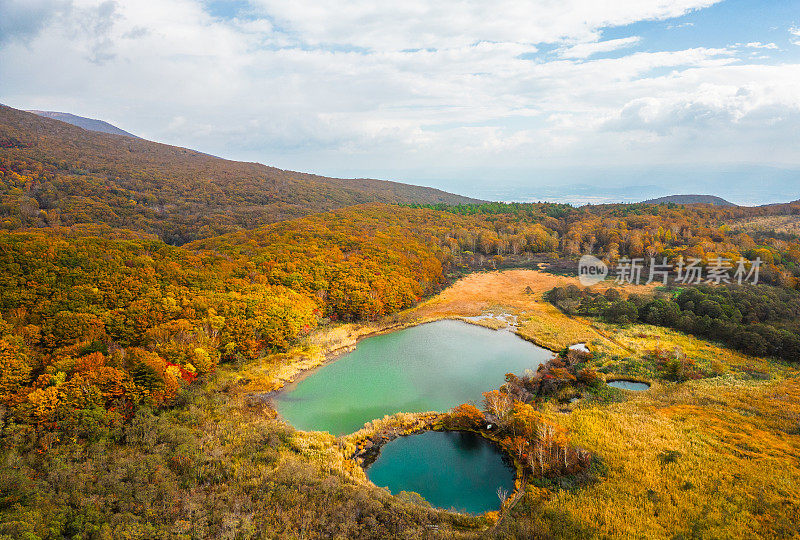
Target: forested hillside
[54, 174]
[690, 199]
[500, 231]
[135, 318]
[124, 319]
[120, 351]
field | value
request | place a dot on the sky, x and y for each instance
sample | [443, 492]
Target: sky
[574, 100]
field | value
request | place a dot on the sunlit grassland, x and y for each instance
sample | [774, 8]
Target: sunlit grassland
[712, 459]
[716, 457]
[641, 340]
[517, 292]
[548, 327]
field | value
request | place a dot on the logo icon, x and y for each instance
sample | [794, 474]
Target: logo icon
[591, 270]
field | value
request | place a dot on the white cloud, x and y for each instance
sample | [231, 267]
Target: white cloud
[795, 31]
[708, 106]
[759, 45]
[429, 85]
[585, 50]
[455, 23]
[24, 19]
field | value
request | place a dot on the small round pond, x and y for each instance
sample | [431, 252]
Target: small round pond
[636, 386]
[455, 470]
[430, 367]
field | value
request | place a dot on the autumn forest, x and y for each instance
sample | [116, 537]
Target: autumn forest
[144, 289]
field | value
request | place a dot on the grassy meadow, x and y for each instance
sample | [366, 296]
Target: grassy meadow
[713, 457]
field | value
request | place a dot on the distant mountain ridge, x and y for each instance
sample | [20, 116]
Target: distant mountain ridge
[86, 123]
[57, 173]
[690, 199]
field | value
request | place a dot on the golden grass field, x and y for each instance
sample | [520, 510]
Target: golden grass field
[709, 459]
[717, 457]
[505, 292]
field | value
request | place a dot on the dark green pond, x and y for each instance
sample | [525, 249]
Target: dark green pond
[431, 367]
[456, 470]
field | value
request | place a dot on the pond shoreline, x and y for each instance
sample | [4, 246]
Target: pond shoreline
[635, 384]
[627, 379]
[369, 441]
[364, 446]
[428, 367]
[305, 367]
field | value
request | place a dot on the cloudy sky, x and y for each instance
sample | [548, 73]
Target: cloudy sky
[505, 99]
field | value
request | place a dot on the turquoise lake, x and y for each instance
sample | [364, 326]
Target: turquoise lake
[430, 367]
[629, 385]
[451, 469]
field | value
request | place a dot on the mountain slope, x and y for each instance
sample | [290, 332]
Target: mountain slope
[89, 124]
[54, 173]
[690, 199]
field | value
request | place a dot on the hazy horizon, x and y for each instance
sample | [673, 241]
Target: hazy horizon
[745, 184]
[517, 100]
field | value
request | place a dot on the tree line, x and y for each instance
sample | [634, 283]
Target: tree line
[759, 320]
